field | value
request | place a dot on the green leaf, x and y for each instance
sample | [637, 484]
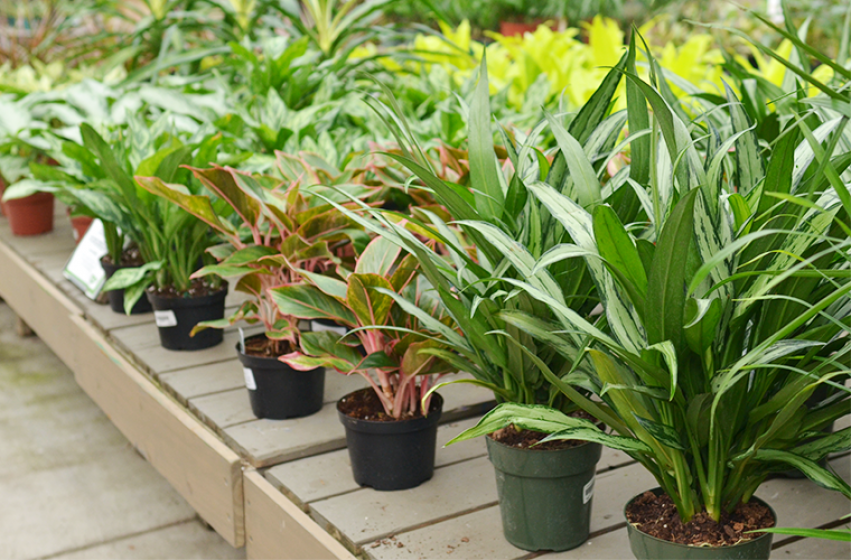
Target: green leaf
[666, 435]
[811, 469]
[486, 184]
[585, 182]
[378, 257]
[537, 418]
[308, 302]
[615, 246]
[126, 277]
[369, 304]
[198, 206]
[621, 443]
[666, 282]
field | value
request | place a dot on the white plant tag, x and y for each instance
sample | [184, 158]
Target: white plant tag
[249, 379]
[83, 268]
[165, 318]
[316, 326]
[588, 491]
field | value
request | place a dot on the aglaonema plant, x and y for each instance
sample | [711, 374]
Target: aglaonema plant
[272, 229]
[391, 338]
[730, 322]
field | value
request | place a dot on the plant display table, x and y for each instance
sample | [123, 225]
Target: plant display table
[284, 488]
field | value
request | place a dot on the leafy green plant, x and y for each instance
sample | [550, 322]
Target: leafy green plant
[726, 325]
[391, 338]
[273, 230]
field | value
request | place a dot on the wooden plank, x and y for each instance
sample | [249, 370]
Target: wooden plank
[60, 240]
[801, 503]
[268, 442]
[204, 380]
[143, 341]
[368, 516]
[229, 408]
[329, 474]
[196, 463]
[814, 548]
[276, 528]
[38, 302]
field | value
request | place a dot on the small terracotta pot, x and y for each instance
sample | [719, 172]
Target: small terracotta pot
[80, 224]
[31, 215]
[2, 204]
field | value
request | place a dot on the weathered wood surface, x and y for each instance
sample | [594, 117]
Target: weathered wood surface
[193, 422]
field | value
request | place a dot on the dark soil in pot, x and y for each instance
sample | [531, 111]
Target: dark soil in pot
[129, 259]
[31, 215]
[656, 531]
[388, 454]
[276, 390]
[177, 314]
[545, 492]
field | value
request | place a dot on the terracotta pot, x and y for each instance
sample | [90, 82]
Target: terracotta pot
[2, 204]
[516, 28]
[80, 224]
[31, 215]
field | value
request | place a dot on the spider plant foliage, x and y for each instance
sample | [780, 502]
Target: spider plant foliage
[725, 350]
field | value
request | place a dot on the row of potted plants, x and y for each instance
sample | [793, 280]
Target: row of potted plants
[679, 293]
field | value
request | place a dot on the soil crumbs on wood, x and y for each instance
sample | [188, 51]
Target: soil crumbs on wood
[365, 405]
[199, 288]
[527, 439]
[263, 347]
[657, 516]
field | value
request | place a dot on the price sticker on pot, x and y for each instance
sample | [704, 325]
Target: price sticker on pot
[165, 318]
[249, 379]
[316, 326]
[83, 268]
[588, 491]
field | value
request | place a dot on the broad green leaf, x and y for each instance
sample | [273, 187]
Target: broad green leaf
[369, 304]
[585, 182]
[126, 277]
[486, 184]
[533, 417]
[665, 303]
[378, 257]
[666, 435]
[308, 302]
[621, 443]
[811, 469]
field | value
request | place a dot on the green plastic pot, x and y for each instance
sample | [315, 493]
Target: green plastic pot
[545, 496]
[645, 547]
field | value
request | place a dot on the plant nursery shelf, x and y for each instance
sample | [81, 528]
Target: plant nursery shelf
[284, 487]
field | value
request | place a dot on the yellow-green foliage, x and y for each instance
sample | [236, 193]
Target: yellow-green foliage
[573, 62]
[38, 76]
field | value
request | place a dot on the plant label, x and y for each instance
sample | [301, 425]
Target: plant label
[588, 491]
[249, 379]
[83, 268]
[165, 318]
[316, 326]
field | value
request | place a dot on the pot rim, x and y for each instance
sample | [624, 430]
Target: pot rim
[412, 423]
[531, 450]
[691, 546]
[268, 361]
[183, 302]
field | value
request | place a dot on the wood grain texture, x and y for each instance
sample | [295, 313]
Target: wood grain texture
[276, 528]
[197, 464]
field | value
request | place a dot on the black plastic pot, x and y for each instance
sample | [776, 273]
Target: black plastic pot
[645, 547]
[545, 496]
[116, 297]
[176, 317]
[277, 391]
[392, 455]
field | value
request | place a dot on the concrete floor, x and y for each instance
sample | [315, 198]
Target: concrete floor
[71, 486]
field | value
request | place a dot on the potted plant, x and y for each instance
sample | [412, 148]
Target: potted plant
[512, 231]
[740, 307]
[391, 426]
[272, 230]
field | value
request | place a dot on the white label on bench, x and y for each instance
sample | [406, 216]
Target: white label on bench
[249, 379]
[165, 318]
[588, 491]
[316, 326]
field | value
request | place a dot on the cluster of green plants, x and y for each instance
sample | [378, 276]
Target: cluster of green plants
[664, 247]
